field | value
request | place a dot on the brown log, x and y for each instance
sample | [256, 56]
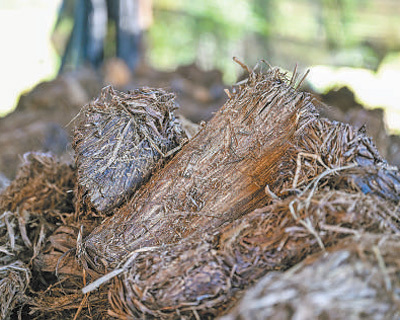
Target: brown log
[218, 176]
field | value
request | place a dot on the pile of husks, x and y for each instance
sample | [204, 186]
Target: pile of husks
[268, 212]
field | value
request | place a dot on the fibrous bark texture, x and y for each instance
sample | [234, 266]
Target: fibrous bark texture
[119, 141]
[265, 185]
[354, 280]
[217, 177]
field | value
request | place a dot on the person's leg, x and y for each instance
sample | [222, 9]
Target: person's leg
[75, 51]
[128, 32]
[97, 31]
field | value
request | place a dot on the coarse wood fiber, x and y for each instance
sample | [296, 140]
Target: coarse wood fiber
[219, 175]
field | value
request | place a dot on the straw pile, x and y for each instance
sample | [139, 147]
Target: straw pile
[265, 185]
[39, 199]
[14, 279]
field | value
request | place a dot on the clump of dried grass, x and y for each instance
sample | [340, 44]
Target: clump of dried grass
[65, 300]
[14, 279]
[43, 184]
[39, 199]
[357, 279]
[120, 139]
[327, 146]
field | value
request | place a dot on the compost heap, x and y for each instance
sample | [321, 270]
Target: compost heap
[266, 194]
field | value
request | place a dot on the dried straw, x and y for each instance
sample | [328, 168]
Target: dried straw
[39, 198]
[324, 144]
[42, 183]
[14, 279]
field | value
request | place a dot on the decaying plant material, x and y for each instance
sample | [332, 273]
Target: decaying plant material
[14, 279]
[120, 140]
[253, 141]
[217, 177]
[31, 207]
[325, 146]
[261, 187]
[357, 279]
[39, 199]
[203, 276]
[43, 185]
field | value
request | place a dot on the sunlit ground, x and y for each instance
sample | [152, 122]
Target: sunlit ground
[371, 89]
[26, 55]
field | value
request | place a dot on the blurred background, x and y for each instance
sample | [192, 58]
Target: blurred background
[56, 55]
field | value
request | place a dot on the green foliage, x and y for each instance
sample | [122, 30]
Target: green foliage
[202, 31]
[356, 33]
